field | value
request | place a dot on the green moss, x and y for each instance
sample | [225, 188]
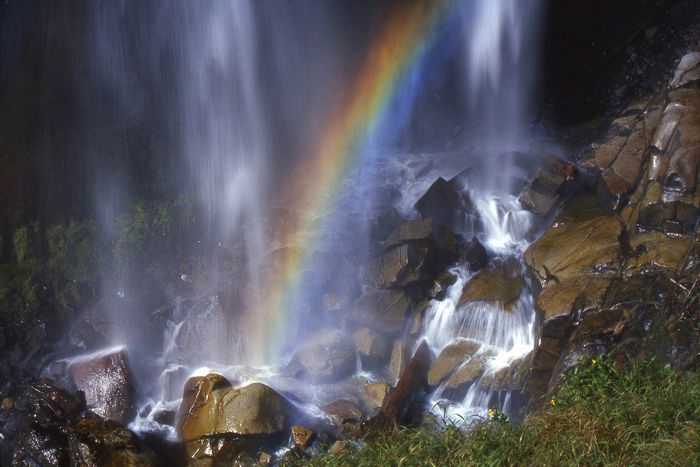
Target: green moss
[21, 244]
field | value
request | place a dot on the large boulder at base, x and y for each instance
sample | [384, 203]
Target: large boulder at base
[196, 394]
[106, 381]
[445, 203]
[449, 359]
[327, 356]
[253, 410]
[384, 311]
[98, 442]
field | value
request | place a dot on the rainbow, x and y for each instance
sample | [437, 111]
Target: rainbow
[397, 51]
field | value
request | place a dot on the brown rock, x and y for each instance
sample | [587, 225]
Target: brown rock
[572, 249]
[400, 399]
[255, 409]
[400, 266]
[683, 170]
[106, 381]
[449, 359]
[196, 394]
[369, 344]
[548, 186]
[445, 203]
[458, 384]
[302, 436]
[374, 395]
[603, 155]
[424, 231]
[493, 286]
[657, 251]
[667, 127]
[399, 358]
[475, 254]
[342, 411]
[327, 356]
[338, 448]
[98, 442]
[384, 311]
[688, 71]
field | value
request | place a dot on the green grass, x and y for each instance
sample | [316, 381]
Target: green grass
[643, 415]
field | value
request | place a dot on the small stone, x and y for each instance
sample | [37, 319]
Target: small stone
[264, 458]
[302, 436]
[7, 403]
[338, 447]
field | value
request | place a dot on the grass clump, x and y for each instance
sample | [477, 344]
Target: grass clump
[644, 414]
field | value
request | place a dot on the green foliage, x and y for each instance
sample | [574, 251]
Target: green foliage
[21, 242]
[603, 415]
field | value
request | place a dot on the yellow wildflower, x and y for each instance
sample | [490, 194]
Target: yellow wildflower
[594, 361]
[491, 413]
[552, 402]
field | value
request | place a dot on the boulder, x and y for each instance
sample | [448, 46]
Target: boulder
[424, 231]
[548, 186]
[343, 411]
[400, 354]
[449, 359]
[571, 249]
[42, 446]
[493, 286]
[248, 415]
[370, 345]
[196, 394]
[384, 311]
[438, 289]
[445, 203]
[327, 356]
[373, 395]
[401, 266]
[106, 381]
[457, 385]
[475, 254]
[100, 442]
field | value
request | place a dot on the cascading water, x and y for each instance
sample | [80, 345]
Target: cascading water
[219, 107]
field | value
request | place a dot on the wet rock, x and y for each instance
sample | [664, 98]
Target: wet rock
[493, 286]
[44, 446]
[50, 404]
[688, 71]
[449, 359]
[549, 185]
[106, 381]
[423, 231]
[228, 421]
[400, 354]
[458, 384]
[370, 345]
[98, 442]
[682, 173]
[413, 380]
[343, 411]
[475, 254]
[613, 191]
[327, 356]
[196, 394]
[656, 250]
[604, 154]
[438, 289]
[382, 221]
[302, 436]
[374, 395]
[384, 311]
[669, 121]
[572, 249]
[445, 203]
[401, 266]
